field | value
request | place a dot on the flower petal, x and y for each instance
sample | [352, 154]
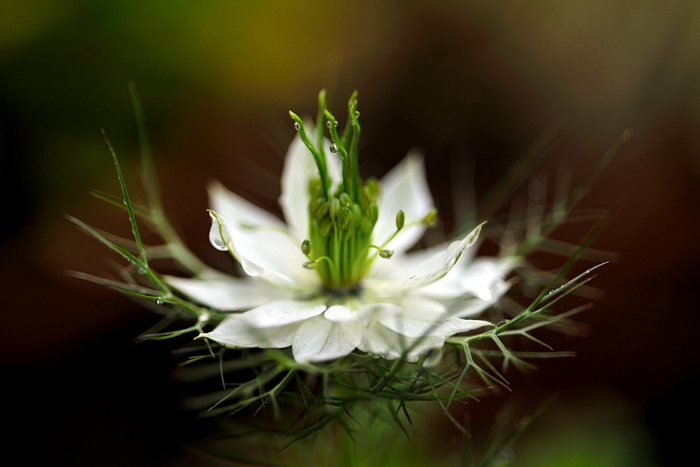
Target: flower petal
[472, 306]
[383, 342]
[265, 252]
[227, 293]
[318, 339]
[481, 278]
[437, 266]
[404, 188]
[235, 332]
[299, 169]
[237, 210]
[363, 314]
[282, 312]
[424, 317]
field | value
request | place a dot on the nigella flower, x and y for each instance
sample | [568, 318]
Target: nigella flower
[336, 277]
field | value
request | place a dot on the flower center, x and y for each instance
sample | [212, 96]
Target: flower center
[341, 219]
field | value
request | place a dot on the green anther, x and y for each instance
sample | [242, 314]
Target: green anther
[306, 247]
[373, 212]
[357, 214]
[322, 210]
[345, 217]
[345, 200]
[315, 187]
[366, 194]
[316, 203]
[373, 186]
[430, 218]
[386, 254]
[311, 265]
[400, 220]
[335, 207]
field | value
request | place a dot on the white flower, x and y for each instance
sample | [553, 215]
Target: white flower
[341, 293]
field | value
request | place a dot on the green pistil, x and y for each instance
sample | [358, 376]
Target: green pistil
[340, 223]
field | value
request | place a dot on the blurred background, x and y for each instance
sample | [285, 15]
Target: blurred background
[473, 84]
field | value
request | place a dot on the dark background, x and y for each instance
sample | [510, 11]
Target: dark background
[473, 84]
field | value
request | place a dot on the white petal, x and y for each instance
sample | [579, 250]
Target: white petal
[433, 269]
[402, 266]
[481, 278]
[299, 169]
[265, 252]
[383, 342]
[227, 293]
[404, 188]
[482, 275]
[237, 210]
[363, 314]
[282, 313]
[235, 332]
[423, 317]
[319, 339]
[473, 306]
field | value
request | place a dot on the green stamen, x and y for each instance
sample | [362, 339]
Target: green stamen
[341, 220]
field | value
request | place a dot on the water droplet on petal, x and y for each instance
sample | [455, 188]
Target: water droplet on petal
[215, 236]
[334, 148]
[297, 126]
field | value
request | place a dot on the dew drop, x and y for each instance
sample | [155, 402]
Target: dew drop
[357, 114]
[297, 126]
[159, 301]
[334, 148]
[215, 236]
[330, 124]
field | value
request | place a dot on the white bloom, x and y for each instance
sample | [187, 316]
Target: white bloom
[324, 310]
